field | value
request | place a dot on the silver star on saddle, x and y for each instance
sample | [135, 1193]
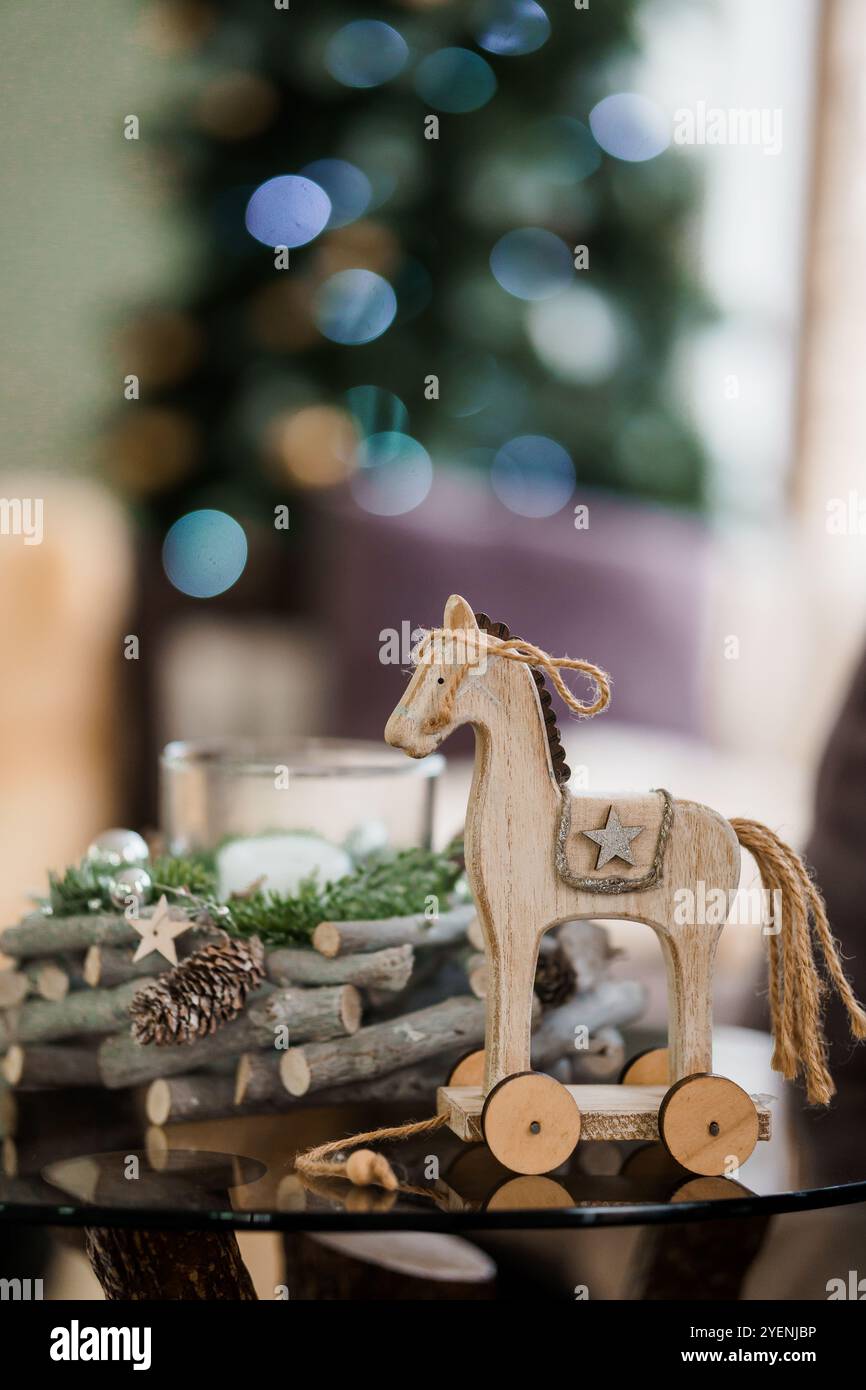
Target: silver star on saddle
[614, 839]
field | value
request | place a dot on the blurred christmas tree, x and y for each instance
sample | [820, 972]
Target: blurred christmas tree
[486, 242]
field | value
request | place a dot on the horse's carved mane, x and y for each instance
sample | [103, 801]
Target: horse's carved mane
[561, 770]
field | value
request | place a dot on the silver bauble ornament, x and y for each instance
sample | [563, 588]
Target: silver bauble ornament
[130, 882]
[114, 849]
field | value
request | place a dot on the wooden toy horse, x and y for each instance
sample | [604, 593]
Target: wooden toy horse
[536, 855]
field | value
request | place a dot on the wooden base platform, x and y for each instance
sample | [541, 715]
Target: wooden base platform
[606, 1112]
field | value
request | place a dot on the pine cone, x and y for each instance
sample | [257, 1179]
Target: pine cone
[198, 996]
[554, 978]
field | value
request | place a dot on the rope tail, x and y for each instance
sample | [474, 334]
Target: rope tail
[797, 989]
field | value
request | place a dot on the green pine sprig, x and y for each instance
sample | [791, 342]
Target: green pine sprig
[73, 891]
[197, 873]
[390, 887]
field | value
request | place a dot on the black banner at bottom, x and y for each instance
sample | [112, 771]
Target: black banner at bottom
[253, 1339]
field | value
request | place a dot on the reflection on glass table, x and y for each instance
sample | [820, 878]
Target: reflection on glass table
[91, 1160]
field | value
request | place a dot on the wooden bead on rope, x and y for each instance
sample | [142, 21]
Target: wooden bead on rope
[365, 1168]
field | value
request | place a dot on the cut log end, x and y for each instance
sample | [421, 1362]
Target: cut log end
[52, 983]
[13, 1064]
[326, 939]
[157, 1104]
[351, 1006]
[14, 987]
[8, 1113]
[243, 1075]
[10, 1157]
[93, 966]
[295, 1072]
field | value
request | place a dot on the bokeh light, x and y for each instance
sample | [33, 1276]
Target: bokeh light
[455, 80]
[532, 263]
[479, 313]
[565, 147]
[160, 345]
[577, 335]
[204, 553]
[363, 245]
[366, 53]
[630, 127]
[538, 176]
[287, 211]
[468, 382]
[510, 28]
[280, 315]
[172, 27]
[505, 410]
[414, 289]
[354, 306]
[347, 187]
[236, 106]
[150, 449]
[533, 475]
[316, 446]
[394, 474]
[375, 411]
[388, 151]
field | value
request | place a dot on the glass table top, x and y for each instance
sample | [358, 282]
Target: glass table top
[89, 1159]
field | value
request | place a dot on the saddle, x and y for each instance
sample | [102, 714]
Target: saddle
[589, 862]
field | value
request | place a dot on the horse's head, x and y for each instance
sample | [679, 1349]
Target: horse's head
[426, 715]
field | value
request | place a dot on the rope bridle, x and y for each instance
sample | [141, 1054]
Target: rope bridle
[519, 650]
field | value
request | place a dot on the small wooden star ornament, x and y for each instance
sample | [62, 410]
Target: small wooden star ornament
[614, 839]
[159, 932]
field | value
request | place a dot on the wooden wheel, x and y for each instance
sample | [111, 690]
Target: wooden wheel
[710, 1190]
[468, 1070]
[530, 1122]
[532, 1192]
[708, 1123]
[647, 1068]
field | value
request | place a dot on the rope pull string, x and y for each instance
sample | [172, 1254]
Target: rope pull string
[364, 1167]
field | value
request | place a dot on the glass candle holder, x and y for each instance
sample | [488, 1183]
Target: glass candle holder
[276, 811]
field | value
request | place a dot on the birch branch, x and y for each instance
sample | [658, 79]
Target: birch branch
[50, 1067]
[387, 970]
[38, 935]
[385, 1047]
[81, 1014]
[343, 938]
[314, 1013]
[258, 1083]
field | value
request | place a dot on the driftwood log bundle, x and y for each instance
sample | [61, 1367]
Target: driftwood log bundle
[80, 1014]
[104, 965]
[258, 1082]
[312, 1013]
[384, 1047]
[378, 1011]
[345, 938]
[41, 935]
[199, 1096]
[50, 1067]
[387, 970]
[46, 977]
